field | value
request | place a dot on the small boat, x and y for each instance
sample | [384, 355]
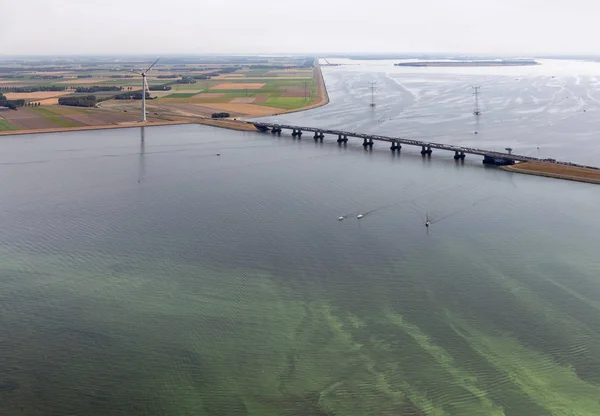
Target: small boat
[359, 216]
[341, 219]
[218, 154]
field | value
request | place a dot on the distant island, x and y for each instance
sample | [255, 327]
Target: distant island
[515, 62]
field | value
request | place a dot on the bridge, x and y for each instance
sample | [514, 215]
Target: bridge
[489, 156]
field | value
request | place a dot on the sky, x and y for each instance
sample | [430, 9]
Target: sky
[508, 27]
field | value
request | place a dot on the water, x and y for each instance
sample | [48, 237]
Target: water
[551, 110]
[158, 278]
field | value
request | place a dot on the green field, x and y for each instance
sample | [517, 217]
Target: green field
[180, 95]
[54, 118]
[184, 87]
[273, 90]
[6, 126]
[288, 103]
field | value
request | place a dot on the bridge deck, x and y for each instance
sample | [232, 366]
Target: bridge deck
[432, 145]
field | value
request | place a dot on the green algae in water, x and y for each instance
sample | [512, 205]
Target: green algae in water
[182, 340]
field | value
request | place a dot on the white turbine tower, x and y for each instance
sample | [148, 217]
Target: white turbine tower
[145, 88]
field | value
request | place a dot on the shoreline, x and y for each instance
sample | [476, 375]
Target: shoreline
[239, 125]
[322, 94]
[87, 128]
[555, 171]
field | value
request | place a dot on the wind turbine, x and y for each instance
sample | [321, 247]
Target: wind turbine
[145, 88]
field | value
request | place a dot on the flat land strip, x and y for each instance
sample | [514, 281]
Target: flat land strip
[238, 86]
[241, 89]
[553, 170]
[35, 96]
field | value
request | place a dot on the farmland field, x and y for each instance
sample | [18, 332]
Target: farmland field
[244, 90]
[286, 102]
[5, 126]
[181, 95]
[54, 117]
[34, 96]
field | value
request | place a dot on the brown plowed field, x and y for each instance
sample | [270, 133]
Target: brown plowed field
[26, 119]
[242, 100]
[246, 109]
[49, 101]
[101, 118]
[297, 91]
[39, 95]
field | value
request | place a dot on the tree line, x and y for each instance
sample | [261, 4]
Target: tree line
[47, 77]
[186, 80]
[162, 87]
[33, 89]
[79, 101]
[98, 88]
[133, 95]
[12, 104]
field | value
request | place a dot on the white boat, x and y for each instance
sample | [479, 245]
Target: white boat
[341, 219]
[359, 216]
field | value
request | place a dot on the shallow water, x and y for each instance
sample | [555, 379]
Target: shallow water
[549, 111]
[154, 277]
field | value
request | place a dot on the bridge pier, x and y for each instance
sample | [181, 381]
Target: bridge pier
[318, 136]
[342, 139]
[368, 143]
[426, 150]
[276, 130]
[459, 155]
[294, 133]
[395, 146]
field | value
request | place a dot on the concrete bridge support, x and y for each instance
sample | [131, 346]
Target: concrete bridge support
[395, 146]
[459, 155]
[318, 136]
[342, 139]
[426, 150]
[368, 143]
[276, 130]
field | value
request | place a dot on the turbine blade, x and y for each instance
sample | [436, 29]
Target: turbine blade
[150, 67]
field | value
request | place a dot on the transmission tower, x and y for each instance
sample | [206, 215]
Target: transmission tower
[477, 110]
[372, 94]
[305, 90]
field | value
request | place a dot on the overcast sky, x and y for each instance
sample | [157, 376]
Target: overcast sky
[272, 26]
